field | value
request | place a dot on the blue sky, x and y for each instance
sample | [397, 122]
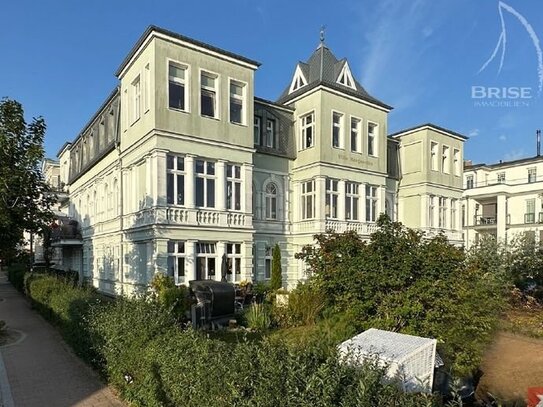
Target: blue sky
[420, 56]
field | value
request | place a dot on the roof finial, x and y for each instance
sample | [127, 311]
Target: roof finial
[323, 27]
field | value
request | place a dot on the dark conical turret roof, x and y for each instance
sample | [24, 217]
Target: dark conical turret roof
[323, 68]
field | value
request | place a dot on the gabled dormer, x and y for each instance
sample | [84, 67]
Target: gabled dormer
[345, 76]
[324, 70]
[299, 79]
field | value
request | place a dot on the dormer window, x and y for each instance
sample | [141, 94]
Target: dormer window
[346, 78]
[298, 81]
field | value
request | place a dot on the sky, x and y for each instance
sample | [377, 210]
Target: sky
[423, 57]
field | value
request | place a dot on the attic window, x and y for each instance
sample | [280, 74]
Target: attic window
[298, 80]
[346, 78]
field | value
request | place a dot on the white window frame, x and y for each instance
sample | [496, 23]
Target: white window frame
[431, 211]
[532, 175]
[453, 214]
[185, 82]
[176, 173]
[147, 87]
[303, 130]
[372, 200]
[500, 177]
[135, 87]
[233, 262]
[270, 200]
[217, 86]
[340, 126]
[298, 81]
[308, 199]
[352, 200]
[442, 218]
[207, 251]
[273, 133]
[358, 131]
[242, 98]
[374, 138]
[177, 252]
[331, 199]
[345, 77]
[206, 177]
[233, 183]
[457, 162]
[257, 125]
[268, 259]
[445, 159]
[434, 148]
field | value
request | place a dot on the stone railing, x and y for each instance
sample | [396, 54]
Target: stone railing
[362, 228]
[207, 217]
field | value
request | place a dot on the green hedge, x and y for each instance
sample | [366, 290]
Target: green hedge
[66, 306]
[16, 273]
[141, 350]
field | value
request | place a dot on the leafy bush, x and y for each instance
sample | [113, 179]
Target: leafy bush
[401, 281]
[305, 304]
[173, 298]
[258, 317]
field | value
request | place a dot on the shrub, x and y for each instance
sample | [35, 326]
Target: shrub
[401, 281]
[152, 362]
[305, 304]
[276, 281]
[174, 299]
[258, 317]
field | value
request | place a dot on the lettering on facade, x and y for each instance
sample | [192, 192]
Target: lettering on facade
[355, 160]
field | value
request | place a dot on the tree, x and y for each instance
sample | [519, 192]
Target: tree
[401, 281]
[276, 277]
[25, 198]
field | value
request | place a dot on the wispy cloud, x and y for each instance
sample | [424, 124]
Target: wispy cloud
[474, 133]
[394, 37]
[503, 137]
[515, 155]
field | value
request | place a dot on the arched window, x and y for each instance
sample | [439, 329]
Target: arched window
[271, 201]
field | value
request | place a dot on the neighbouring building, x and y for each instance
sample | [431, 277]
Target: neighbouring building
[184, 171]
[503, 200]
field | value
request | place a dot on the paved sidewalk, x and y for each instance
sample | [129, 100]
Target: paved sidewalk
[41, 369]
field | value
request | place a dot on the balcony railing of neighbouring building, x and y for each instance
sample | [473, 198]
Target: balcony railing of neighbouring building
[529, 218]
[485, 220]
[65, 229]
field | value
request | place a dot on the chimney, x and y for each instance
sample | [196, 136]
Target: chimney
[538, 137]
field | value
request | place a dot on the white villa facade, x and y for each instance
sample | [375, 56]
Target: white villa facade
[184, 171]
[503, 200]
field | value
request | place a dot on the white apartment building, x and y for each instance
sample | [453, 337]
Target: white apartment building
[184, 171]
[503, 199]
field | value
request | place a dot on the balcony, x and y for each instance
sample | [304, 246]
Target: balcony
[66, 232]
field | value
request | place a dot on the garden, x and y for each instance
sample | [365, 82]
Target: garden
[283, 348]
